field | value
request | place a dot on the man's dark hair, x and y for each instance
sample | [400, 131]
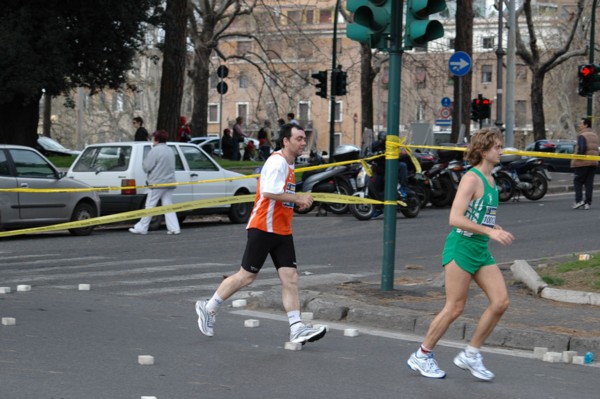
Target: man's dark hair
[587, 121]
[161, 136]
[291, 115]
[139, 120]
[286, 132]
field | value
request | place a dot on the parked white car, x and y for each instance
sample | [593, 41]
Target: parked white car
[120, 164]
[24, 167]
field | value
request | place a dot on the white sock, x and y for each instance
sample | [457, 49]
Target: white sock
[295, 320]
[214, 303]
[471, 351]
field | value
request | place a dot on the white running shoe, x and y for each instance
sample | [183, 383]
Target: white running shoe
[307, 334]
[206, 319]
[474, 365]
[427, 365]
[134, 231]
[578, 205]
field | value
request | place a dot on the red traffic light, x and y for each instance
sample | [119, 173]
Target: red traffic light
[486, 101]
[586, 70]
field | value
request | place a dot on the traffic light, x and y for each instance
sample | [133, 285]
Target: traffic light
[419, 29]
[321, 76]
[589, 79]
[371, 22]
[341, 82]
[481, 108]
[475, 109]
[485, 109]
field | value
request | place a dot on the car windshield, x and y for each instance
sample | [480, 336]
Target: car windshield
[98, 159]
[50, 144]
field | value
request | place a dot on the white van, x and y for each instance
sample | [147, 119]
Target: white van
[120, 165]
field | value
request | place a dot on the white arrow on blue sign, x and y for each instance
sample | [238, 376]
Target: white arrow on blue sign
[459, 63]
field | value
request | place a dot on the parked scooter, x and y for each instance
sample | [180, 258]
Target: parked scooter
[444, 177]
[516, 175]
[334, 180]
[366, 186]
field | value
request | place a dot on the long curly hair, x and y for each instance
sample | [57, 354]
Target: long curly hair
[481, 141]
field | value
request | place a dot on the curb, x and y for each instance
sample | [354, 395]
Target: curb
[329, 307]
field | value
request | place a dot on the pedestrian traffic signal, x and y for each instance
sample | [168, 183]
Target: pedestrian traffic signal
[481, 108]
[341, 82]
[321, 76]
[371, 22]
[419, 29]
[589, 79]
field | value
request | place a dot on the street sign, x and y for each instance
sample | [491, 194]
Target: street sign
[222, 87]
[445, 113]
[446, 102]
[222, 71]
[443, 122]
[459, 63]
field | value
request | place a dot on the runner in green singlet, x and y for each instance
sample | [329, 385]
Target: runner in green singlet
[466, 257]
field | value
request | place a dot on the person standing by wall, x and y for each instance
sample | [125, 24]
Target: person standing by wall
[466, 257]
[159, 164]
[141, 134]
[584, 171]
[270, 233]
[265, 141]
[227, 144]
[184, 133]
[238, 137]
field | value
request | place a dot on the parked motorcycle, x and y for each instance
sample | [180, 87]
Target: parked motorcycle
[366, 186]
[334, 180]
[444, 177]
[516, 175]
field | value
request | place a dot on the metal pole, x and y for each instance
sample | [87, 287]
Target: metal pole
[499, 55]
[332, 95]
[220, 114]
[510, 76]
[460, 102]
[590, 99]
[391, 165]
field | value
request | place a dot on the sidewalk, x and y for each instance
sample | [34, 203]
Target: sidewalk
[418, 296]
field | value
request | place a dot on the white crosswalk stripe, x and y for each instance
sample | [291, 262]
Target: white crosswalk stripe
[136, 277]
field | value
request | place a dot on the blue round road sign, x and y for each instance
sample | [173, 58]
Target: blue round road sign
[446, 102]
[459, 63]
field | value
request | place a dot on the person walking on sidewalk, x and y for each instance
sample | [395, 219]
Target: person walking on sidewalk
[159, 164]
[584, 171]
[466, 257]
[269, 232]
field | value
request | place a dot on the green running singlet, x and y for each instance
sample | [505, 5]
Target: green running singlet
[469, 250]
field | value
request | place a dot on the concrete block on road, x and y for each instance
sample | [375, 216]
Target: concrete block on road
[567, 356]
[149, 397]
[251, 323]
[239, 303]
[23, 288]
[578, 360]
[552, 357]
[146, 360]
[351, 332]
[539, 352]
[9, 321]
[84, 287]
[293, 346]
[4, 290]
[307, 316]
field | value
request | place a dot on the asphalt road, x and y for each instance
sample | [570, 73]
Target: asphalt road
[76, 344]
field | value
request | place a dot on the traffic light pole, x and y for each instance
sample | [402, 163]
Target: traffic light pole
[590, 99]
[391, 164]
[333, 88]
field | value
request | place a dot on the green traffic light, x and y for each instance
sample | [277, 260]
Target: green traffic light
[419, 29]
[371, 22]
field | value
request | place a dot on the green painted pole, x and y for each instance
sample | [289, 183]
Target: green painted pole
[332, 85]
[391, 165]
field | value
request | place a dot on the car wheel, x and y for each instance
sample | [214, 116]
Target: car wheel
[240, 213]
[83, 211]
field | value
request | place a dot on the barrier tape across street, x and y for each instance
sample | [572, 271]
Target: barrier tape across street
[393, 146]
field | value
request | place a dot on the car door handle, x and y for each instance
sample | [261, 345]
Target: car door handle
[194, 175]
[24, 185]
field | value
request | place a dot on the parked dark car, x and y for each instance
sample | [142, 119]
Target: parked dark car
[49, 147]
[558, 147]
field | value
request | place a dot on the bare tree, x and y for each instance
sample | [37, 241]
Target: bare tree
[173, 68]
[542, 60]
[463, 42]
